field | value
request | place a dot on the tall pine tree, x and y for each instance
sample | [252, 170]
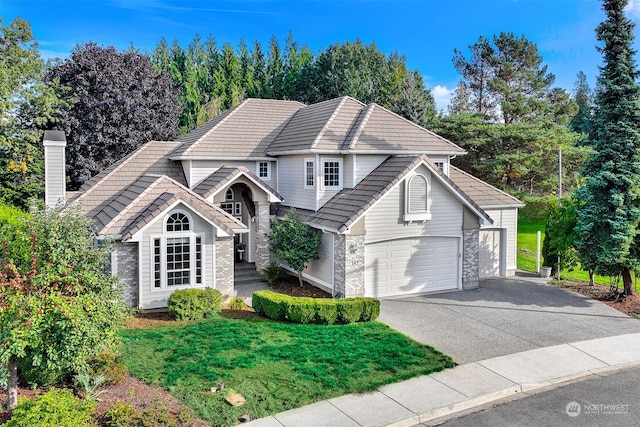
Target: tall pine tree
[609, 217]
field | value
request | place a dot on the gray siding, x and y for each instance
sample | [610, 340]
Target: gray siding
[291, 185]
[200, 169]
[54, 175]
[384, 221]
[365, 164]
[321, 269]
[507, 218]
[124, 264]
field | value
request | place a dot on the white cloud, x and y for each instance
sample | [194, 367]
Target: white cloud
[633, 9]
[442, 96]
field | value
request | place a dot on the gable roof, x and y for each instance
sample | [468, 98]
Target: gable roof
[224, 175]
[149, 159]
[348, 206]
[347, 125]
[147, 198]
[243, 131]
[485, 195]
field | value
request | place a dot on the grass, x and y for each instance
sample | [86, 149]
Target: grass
[275, 366]
[526, 257]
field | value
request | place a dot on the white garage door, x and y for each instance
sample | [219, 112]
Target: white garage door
[489, 257]
[412, 265]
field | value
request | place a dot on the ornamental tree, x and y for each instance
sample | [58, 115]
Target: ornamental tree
[609, 215]
[294, 243]
[62, 307]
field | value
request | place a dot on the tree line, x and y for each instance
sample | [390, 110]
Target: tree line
[505, 111]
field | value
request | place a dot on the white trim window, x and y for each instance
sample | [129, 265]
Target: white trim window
[263, 170]
[177, 254]
[332, 173]
[309, 173]
[417, 198]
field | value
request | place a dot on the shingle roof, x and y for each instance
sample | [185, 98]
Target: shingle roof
[346, 207]
[146, 198]
[345, 124]
[221, 177]
[150, 159]
[485, 195]
[245, 130]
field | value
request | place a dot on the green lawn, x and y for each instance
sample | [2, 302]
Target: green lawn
[526, 257]
[275, 366]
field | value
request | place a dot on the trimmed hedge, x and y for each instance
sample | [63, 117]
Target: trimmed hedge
[194, 304]
[315, 310]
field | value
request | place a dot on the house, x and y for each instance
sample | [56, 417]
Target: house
[396, 216]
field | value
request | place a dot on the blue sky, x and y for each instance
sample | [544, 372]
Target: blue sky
[425, 31]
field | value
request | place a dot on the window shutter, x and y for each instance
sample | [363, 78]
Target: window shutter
[418, 194]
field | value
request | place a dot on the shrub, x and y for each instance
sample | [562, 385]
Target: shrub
[119, 414]
[315, 310]
[55, 408]
[272, 273]
[349, 310]
[42, 376]
[157, 414]
[109, 365]
[194, 304]
[300, 310]
[237, 303]
[326, 311]
[370, 309]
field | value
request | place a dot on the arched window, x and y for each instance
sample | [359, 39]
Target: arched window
[177, 254]
[228, 196]
[418, 199]
[178, 222]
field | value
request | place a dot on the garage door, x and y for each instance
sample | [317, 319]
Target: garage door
[489, 257]
[412, 265]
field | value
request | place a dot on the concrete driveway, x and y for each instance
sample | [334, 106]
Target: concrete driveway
[504, 316]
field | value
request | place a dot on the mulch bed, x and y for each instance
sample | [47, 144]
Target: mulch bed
[629, 305]
[291, 286]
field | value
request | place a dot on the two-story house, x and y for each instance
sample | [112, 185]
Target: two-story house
[396, 217]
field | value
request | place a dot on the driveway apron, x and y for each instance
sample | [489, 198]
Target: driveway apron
[503, 316]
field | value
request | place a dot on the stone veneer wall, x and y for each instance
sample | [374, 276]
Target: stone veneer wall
[124, 264]
[263, 228]
[349, 265]
[470, 258]
[224, 266]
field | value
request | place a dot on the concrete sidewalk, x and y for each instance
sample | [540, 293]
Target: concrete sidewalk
[444, 393]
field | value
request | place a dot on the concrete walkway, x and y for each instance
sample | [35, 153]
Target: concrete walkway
[426, 398]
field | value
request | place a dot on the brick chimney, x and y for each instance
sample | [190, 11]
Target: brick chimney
[54, 167]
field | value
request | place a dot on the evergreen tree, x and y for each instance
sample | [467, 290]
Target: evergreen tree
[584, 99]
[609, 215]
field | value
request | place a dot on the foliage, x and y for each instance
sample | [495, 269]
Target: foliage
[583, 96]
[315, 310]
[503, 80]
[27, 105]
[609, 214]
[157, 414]
[275, 366]
[237, 303]
[560, 236]
[55, 408]
[272, 273]
[518, 157]
[108, 364]
[112, 112]
[194, 304]
[536, 208]
[62, 307]
[294, 243]
[87, 385]
[119, 414]
[14, 239]
[213, 79]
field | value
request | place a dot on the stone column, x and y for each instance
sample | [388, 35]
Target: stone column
[470, 258]
[262, 229]
[225, 252]
[349, 265]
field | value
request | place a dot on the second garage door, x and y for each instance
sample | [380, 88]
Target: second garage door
[411, 265]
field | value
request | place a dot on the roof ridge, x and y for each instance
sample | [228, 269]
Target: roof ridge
[231, 112]
[123, 162]
[143, 193]
[324, 129]
[485, 183]
[367, 110]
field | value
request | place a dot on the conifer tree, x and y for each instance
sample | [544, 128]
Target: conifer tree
[609, 217]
